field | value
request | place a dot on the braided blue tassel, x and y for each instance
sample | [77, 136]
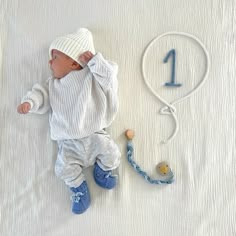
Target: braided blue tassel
[137, 168]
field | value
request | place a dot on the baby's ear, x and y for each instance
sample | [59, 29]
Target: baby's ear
[75, 65]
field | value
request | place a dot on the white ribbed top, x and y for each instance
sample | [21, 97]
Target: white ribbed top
[81, 103]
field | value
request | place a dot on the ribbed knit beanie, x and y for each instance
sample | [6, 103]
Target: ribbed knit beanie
[73, 45]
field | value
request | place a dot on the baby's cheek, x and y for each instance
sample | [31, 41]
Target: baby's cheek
[56, 69]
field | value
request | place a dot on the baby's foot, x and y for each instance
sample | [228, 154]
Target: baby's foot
[80, 198]
[104, 178]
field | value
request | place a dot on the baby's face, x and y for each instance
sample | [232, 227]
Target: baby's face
[61, 64]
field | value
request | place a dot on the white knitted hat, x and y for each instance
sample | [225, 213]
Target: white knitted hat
[73, 45]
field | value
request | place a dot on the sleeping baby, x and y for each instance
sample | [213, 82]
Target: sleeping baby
[81, 97]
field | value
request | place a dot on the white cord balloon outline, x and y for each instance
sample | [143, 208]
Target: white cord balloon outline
[169, 108]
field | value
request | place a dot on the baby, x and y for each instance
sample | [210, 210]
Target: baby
[81, 97]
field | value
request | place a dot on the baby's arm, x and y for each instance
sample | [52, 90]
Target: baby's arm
[105, 72]
[35, 101]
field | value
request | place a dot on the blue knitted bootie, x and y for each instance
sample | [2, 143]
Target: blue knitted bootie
[103, 178]
[80, 198]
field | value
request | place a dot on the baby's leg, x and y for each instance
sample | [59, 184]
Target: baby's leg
[108, 154]
[68, 166]
[107, 157]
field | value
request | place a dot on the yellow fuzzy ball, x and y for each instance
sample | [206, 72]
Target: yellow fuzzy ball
[163, 168]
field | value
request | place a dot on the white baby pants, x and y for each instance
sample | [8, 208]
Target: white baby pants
[76, 154]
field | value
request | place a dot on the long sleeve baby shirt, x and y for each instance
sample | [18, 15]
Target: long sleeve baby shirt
[80, 103]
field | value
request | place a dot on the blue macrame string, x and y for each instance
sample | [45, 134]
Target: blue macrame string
[138, 169]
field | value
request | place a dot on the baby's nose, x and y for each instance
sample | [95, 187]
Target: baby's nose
[50, 62]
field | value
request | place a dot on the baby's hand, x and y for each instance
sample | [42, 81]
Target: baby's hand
[86, 57]
[23, 108]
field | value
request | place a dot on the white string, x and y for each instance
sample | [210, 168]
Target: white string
[169, 108]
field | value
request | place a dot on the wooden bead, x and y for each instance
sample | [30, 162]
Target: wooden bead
[129, 134]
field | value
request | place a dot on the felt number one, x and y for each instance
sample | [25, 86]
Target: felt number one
[172, 82]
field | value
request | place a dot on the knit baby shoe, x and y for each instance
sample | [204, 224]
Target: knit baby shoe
[104, 178]
[80, 198]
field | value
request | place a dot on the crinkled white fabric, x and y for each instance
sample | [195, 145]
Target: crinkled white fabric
[33, 201]
[76, 154]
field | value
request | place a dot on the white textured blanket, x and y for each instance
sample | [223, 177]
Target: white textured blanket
[201, 201]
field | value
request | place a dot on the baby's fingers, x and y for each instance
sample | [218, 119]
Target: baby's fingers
[19, 109]
[23, 108]
[26, 108]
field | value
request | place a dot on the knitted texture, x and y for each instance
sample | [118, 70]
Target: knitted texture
[81, 103]
[104, 178]
[73, 45]
[80, 198]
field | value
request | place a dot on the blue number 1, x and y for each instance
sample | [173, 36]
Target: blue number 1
[172, 83]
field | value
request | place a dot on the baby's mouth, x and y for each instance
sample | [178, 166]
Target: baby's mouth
[51, 70]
